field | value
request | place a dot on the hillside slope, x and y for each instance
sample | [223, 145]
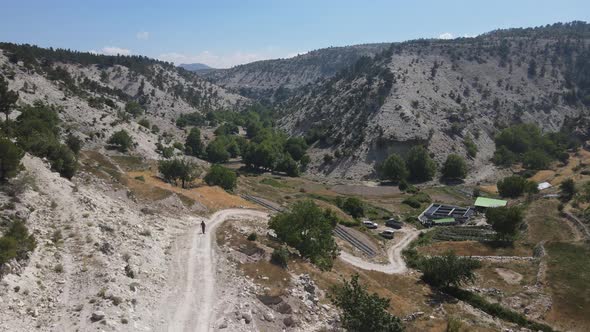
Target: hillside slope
[262, 79]
[440, 93]
[93, 91]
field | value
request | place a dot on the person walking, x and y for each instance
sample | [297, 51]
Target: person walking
[203, 226]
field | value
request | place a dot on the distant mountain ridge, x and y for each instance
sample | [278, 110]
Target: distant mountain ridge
[195, 66]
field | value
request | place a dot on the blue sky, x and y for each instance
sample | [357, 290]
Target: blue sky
[224, 33]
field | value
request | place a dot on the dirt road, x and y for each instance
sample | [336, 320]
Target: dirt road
[190, 304]
[396, 262]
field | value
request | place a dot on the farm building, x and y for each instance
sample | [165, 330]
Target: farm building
[442, 214]
[482, 203]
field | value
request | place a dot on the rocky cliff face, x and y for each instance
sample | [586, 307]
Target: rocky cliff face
[442, 94]
[274, 79]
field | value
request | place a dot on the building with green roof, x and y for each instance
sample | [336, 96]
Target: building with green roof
[484, 202]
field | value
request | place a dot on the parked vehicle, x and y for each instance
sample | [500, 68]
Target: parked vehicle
[388, 233]
[369, 224]
[394, 223]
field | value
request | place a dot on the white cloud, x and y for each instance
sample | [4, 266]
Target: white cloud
[446, 35]
[223, 60]
[143, 35]
[112, 50]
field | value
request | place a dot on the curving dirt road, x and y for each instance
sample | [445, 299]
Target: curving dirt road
[190, 304]
[396, 261]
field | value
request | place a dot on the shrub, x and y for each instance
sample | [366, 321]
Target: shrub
[16, 242]
[505, 221]
[280, 257]
[144, 123]
[221, 176]
[411, 201]
[448, 270]
[308, 228]
[514, 186]
[179, 169]
[352, 206]
[252, 236]
[10, 156]
[362, 311]
[121, 140]
[74, 143]
[217, 151]
[134, 108]
[568, 189]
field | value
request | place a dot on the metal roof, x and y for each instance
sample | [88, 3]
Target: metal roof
[489, 202]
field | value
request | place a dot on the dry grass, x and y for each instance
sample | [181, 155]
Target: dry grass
[474, 248]
[214, 198]
[568, 277]
[490, 276]
[545, 223]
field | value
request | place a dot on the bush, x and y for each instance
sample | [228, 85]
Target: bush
[413, 202]
[454, 167]
[221, 176]
[121, 140]
[352, 206]
[505, 221]
[144, 123]
[252, 236]
[362, 311]
[308, 228]
[74, 143]
[217, 151]
[10, 156]
[448, 270]
[536, 159]
[16, 242]
[194, 144]
[280, 257]
[134, 109]
[567, 189]
[403, 185]
[514, 186]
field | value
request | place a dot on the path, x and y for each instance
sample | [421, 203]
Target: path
[394, 254]
[190, 306]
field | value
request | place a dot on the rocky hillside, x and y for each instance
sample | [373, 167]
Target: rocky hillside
[443, 94]
[275, 78]
[94, 91]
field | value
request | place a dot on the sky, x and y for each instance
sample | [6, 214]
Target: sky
[225, 33]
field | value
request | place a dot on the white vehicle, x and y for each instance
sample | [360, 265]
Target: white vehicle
[388, 233]
[370, 224]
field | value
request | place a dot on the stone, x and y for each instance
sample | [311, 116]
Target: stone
[289, 321]
[247, 317]
[97, 316]
[268, 316]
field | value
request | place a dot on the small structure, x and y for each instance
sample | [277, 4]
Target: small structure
[444, 222]
[442, 214]
[544, 185]
[482, 203]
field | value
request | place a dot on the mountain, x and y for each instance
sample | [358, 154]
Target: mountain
[94, 92]
[272, 79]
[196, 67]
[441, 94]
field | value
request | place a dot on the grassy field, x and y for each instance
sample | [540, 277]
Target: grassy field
[545, 223]
[568, 278]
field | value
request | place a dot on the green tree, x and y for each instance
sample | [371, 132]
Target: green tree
[536, 159]
[179, 169]
[221, 176]
[505, 221]
[217, 151]
[454, 167]
[74, 143]
[514, 186]
[568, 189]
[308, 228]
[121, 140]
[362, 311]
[8, 98]
[296, 147]
[287, 165]
[448, 270]
[394, 168]
[352, 206]
[10, 156]
[420, 165]
[16, 242]
[134, 108]
[194, 144]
